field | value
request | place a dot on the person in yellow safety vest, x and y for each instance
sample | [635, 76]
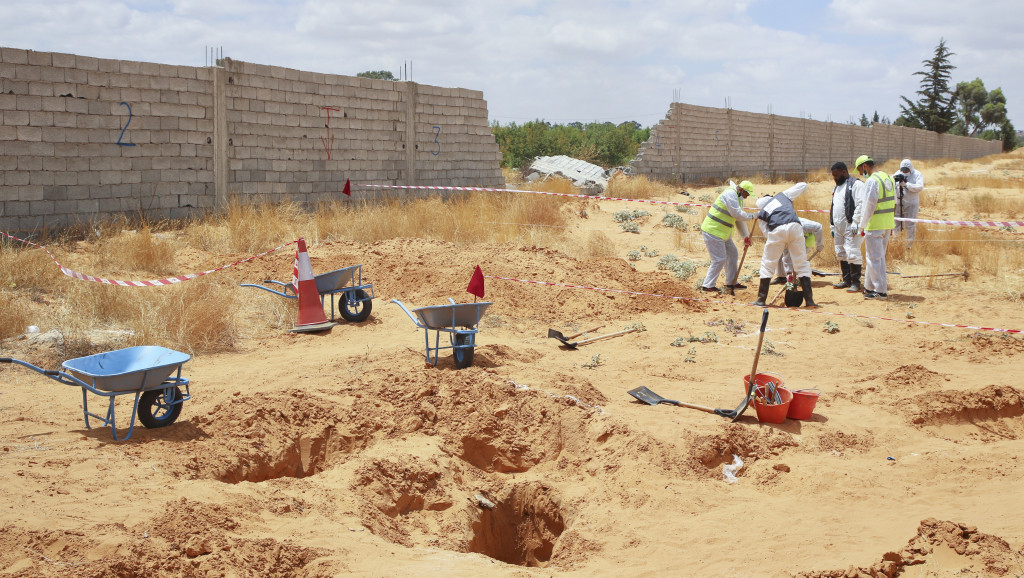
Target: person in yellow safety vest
[814, 239]
[876, 224]
[724, 215]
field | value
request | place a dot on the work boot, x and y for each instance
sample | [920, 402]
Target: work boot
[805, 284]
[845, 281]
[855, 286]
[779, 281]
[762, 292]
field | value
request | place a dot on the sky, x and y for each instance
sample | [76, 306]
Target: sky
[571, 60]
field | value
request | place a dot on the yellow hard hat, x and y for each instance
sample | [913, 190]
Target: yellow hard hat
[861, 160]
[747, 186]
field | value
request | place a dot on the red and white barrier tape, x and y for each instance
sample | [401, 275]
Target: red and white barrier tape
[966, 223]
[593, 197]
[716, 302]
[153, 283]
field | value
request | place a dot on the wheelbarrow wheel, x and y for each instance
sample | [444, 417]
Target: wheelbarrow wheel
[463, 356]
[160, 407]
[358, 310]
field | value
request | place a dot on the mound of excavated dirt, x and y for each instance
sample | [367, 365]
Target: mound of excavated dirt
[346, 453]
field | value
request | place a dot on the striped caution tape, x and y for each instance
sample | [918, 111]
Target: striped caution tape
[153, 283]
[717, 302]
[673, 203]
[966, 223]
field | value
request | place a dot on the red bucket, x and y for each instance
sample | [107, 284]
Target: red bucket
[803, 403]
[763, 379]
[773, 413]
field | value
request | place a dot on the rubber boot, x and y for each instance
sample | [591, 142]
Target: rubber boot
[762, 292]
[855, 271]
[847, 273]
[805, 284]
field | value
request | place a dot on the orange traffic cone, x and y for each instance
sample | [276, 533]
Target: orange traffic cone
[311, 310]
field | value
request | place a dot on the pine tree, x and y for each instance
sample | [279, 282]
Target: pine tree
[936, 109]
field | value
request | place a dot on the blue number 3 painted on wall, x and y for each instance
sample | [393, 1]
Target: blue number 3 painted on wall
[437, 133]
[120, 136]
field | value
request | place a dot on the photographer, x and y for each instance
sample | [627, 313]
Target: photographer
[909, 184]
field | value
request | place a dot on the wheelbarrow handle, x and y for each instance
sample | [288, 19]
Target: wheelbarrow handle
[409, 313]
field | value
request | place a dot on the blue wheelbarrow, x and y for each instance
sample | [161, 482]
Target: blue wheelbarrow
[143, 371]
[355, 302]
[459, 321]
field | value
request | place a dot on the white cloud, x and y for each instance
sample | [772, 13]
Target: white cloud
[570, 59]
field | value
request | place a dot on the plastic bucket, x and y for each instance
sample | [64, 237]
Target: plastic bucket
[763, 379]
[773, 413]
[803, 403]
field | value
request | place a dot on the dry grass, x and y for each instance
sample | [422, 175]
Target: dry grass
[637, 187]
[204, 315]
[13, 316]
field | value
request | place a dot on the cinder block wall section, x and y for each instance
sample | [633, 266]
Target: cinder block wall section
[83, 138]
[694, 143]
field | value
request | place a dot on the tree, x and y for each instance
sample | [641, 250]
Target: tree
[1009, 136]
[875, 118]
[971, 97]
[936, 109]
[378, 74]
[864, 120]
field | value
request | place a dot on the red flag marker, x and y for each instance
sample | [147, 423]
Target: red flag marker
[348, 188]
[476, 283]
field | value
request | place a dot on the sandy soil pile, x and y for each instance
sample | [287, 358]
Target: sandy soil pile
[345, 453]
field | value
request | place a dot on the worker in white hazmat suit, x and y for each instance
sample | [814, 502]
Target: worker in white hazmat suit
[783, 231]
[847, 205]
[909, 184]
[724, 215]
[814, 239]
[876, 224]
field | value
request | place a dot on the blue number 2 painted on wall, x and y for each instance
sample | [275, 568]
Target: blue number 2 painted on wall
[437, 133]
[120, 136]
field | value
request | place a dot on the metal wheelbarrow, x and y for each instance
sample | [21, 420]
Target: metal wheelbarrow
[355, 303]
[459, 321]
[144, 371]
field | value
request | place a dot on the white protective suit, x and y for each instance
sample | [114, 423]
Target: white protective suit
[785, 237]
[845, 235]
[809, 228]
[908, 199]
[723, 253]
[876, 243]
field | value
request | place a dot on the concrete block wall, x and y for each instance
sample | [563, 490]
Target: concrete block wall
[70, 152]
[696, 143]
[62, 117]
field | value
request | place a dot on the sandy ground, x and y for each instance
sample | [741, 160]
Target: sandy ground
[343, 453]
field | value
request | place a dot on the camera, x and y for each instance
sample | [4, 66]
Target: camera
[899, 178]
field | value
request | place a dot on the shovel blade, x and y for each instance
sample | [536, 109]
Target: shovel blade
[558, 335]
[646, 395]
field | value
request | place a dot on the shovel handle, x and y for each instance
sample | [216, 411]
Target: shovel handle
[575, 335]
[605, 336]
[751, 383]
[692, 406]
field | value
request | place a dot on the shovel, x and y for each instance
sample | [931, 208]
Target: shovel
[650, 398]
[817, 273]
[564, 339]
[647, 396]
[574, 345]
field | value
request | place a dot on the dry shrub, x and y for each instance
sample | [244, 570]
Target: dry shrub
[29, 268]
[598, 245]
[977, 181]
[136, 251]
[492, 217]
[250, 228]
[14, 318]
[636, 187]
[197, 317]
